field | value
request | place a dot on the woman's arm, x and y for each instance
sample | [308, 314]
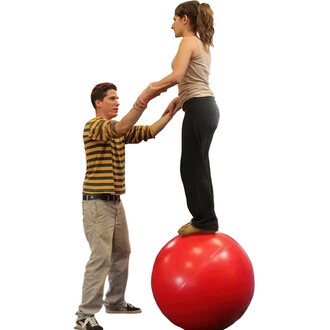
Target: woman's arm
[180, 64]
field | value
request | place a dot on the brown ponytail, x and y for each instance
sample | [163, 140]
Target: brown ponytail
[201, 19]
[205, 27]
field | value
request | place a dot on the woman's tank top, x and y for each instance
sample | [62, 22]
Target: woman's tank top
[195, 82]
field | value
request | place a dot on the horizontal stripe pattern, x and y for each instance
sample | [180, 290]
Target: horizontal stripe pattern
[105, 155]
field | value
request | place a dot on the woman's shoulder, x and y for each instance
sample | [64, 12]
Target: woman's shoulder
[192, 40]
[197, 45]
[192, 43]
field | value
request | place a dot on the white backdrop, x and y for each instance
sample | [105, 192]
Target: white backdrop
[270, 155]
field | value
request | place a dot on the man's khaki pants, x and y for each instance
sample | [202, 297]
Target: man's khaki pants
[107, 234]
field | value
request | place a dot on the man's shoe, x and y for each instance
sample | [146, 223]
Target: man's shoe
[190, 229]
[89, 323]
[123, 309]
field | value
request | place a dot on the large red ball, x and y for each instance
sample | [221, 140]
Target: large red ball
[203, 281]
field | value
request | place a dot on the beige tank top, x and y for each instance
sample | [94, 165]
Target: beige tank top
[195, 82]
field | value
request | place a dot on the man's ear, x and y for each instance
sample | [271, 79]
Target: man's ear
[97, 103]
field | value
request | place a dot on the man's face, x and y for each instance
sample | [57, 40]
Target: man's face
[109, 105]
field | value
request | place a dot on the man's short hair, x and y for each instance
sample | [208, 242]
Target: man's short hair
[100, 91]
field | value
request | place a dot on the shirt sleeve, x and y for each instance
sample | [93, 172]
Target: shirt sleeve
[139, 133]
[101, 129]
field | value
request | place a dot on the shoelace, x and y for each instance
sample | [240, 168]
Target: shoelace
[92, 321]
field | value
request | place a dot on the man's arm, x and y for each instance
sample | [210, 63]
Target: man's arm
[160, 124]
[170, 111]
[127, 122]
[145, 132]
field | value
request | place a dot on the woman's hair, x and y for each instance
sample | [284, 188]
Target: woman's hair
[201, 19]
[100, 91]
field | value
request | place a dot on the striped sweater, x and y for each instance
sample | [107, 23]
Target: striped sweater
[105, 155]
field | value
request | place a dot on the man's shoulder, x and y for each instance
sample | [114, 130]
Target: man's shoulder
[98, 120]
[102, 129]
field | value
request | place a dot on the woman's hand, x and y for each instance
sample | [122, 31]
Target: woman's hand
[154, 89]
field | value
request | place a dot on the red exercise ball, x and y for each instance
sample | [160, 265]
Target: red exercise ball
[203, 281]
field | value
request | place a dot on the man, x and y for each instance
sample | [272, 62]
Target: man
[103, 212]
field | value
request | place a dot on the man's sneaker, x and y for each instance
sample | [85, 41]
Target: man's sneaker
[123, 309]
[88, 324]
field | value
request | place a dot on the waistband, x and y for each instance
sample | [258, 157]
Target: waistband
[103, 197]
[197, 99]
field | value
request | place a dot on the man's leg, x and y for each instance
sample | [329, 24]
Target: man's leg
[115, 297]
[99, 224]
[121, 250]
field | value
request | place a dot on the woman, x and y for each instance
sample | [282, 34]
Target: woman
[190, 70]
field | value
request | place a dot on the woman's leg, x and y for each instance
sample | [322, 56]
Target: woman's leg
[200, 122]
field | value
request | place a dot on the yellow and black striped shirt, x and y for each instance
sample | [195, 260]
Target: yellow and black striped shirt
[105, 155]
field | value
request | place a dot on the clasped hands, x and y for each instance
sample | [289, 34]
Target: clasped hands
[151, 92]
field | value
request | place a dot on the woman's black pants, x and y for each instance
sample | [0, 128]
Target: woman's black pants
[199, 124]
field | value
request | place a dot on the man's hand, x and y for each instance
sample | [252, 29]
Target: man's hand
[170, 111]
[173, 107]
